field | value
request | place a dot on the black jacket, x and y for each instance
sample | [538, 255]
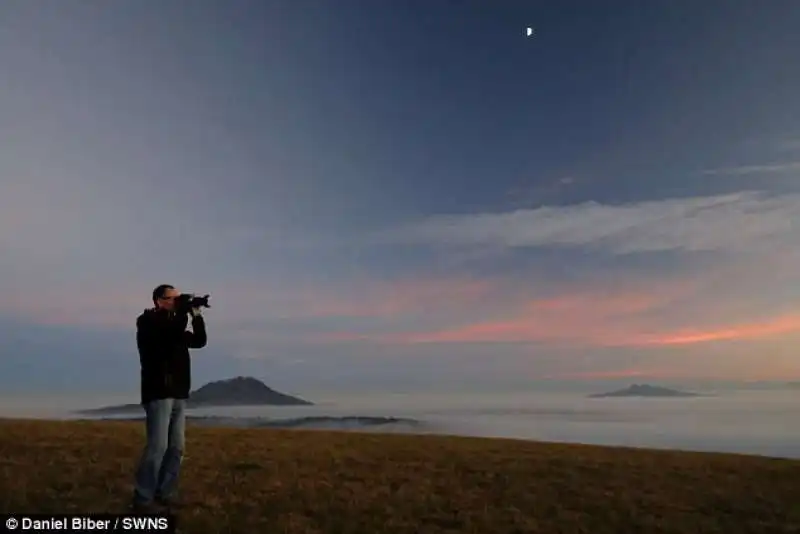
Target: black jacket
[164, 344]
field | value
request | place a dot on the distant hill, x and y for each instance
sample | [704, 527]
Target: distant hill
[239, 391]
[645, 390]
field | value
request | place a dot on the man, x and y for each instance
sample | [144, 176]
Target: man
[164, 342]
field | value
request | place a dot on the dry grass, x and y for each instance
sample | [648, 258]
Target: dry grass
[304, 482]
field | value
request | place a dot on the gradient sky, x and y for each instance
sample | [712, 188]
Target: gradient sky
[402, 192]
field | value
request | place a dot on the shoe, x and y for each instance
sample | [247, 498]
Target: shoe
[148, 508]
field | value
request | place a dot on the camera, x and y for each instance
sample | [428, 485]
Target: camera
[187, 301]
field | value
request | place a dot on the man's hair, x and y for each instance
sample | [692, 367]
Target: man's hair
[160, 291]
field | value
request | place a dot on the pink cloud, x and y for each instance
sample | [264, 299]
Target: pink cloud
[774, 326]
[584, 316]
[599, 318]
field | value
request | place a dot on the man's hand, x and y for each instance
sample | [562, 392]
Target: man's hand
[196, 312]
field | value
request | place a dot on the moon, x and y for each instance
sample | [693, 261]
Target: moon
[528, 31]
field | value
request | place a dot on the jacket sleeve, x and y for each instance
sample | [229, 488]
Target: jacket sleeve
[198, 338]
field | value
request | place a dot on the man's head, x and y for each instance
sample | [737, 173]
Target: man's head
[164, 297]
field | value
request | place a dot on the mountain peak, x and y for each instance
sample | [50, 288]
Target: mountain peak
[240, 390]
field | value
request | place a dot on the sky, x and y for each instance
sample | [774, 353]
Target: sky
[404, 193]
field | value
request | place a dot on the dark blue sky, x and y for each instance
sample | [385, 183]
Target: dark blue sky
[397, 188]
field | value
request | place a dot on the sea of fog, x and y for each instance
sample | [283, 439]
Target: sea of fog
[764, 422]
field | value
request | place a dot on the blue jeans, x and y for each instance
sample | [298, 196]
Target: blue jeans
[159, 466]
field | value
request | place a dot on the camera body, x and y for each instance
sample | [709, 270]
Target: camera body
[187, 301]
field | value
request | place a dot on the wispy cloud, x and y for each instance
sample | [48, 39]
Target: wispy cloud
[594, 316]
[756, 169]
[774, 326]
[731, 222]
[745, 300]
[604, 329]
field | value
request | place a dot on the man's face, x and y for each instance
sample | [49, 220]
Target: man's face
[167, 302]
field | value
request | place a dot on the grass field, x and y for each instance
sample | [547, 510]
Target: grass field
[302, 482]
